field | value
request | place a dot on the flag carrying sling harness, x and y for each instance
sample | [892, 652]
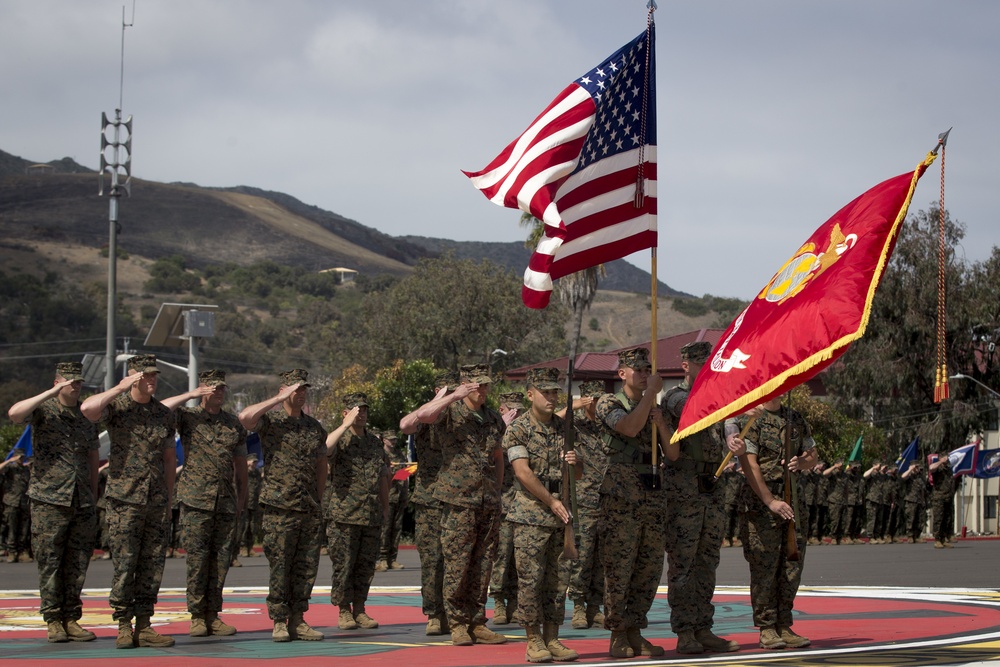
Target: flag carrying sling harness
[626, 449]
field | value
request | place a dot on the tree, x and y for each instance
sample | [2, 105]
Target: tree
[453, 312]
[888, 376]
[576, 290]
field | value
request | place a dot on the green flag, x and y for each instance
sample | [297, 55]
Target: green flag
[856, 454]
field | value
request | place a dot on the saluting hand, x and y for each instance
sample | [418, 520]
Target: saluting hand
[129, 381]
[287, 393]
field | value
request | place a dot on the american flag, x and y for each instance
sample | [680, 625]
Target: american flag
[577, 166]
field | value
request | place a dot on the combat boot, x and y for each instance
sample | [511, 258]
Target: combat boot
[714, 643]
[396, 565]
[433, 627]
[25, 557]
[938, 544]
[299, 629]
[125, 637]
[770, 639]
[500, 616]
[595, 617]
[460, 635]
[198, 627]
[56, 632]
[76, 633]
[484, 635]
[346, 619]
[536, 651]
[642, 646]
[147, 637]
[11, 557]
[813, 542]
[362, 619]
[217, 627]
[558, 650]
[687, 644]
[381, 566]
[793, 640]
[280, 632]
[619, 647]
[580, 621]
[736, 542]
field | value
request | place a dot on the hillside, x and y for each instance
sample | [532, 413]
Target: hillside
[241, 224]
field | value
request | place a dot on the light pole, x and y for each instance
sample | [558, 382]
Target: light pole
[960, 376]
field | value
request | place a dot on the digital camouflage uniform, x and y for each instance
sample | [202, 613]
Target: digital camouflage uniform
[64, 522]
[538, 533]
[633, 532]
[695, 519]
[855, 499]
[16, 478]
[774, 580]
[731, 482]
[427, 515]
[354, 527]
[137, 502]
[837, 483]
[875, 505]
[915, 501]
[586, 573]
[943, 502]
[103, 539]
[252, 512]
[503, 580]
[468, 487]
[292, 514]
[399, 498]
[206, 490]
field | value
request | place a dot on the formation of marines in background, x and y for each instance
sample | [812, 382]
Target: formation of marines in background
[488, 496]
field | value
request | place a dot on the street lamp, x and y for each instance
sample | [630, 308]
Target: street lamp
[959, 376]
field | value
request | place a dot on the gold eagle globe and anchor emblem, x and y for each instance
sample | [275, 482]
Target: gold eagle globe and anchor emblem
[805, 266]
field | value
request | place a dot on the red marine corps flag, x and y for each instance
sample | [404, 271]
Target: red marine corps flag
[814, 307]
[586, 167]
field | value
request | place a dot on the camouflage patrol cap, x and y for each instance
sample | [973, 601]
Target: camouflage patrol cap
[70, 370]
[355, 400]
[696, 352]
[392, 436]
[143, 363]
[637, 357]
[212, 378]
[295, 376]
[252, 457]
[447, 378]
[478, 373]
[592, 388]
[543, 378]
[512, 399]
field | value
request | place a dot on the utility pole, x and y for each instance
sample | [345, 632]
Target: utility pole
[116, 160]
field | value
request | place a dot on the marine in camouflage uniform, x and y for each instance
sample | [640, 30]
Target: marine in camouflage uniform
[774, 580]
[695, 517]
[427, 508]
[63, 492]
[252, 512]
[294, 476]
[534, 445]
[103, 540]
[586, 573]
[875, 505]
[632, 530]
[357, 505]
[141, 466]
[731, 482]
[942, 502]
[399, 498]
[836, 498]
[855, 499]
[503, 580]
[914, 494]
[16, 477]
[468, 488]
[815, 502]
[212, 490]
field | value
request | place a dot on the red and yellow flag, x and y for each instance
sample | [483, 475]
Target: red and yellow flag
[814, 307]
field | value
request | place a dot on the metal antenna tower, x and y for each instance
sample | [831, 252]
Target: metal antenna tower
[116, 160]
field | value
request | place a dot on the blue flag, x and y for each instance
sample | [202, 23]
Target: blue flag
[908, 456]
[23, 443]
[988, 464]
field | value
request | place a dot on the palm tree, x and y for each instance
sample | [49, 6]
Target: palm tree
[576, 290]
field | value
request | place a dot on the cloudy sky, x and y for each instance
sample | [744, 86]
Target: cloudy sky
[772, 114]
